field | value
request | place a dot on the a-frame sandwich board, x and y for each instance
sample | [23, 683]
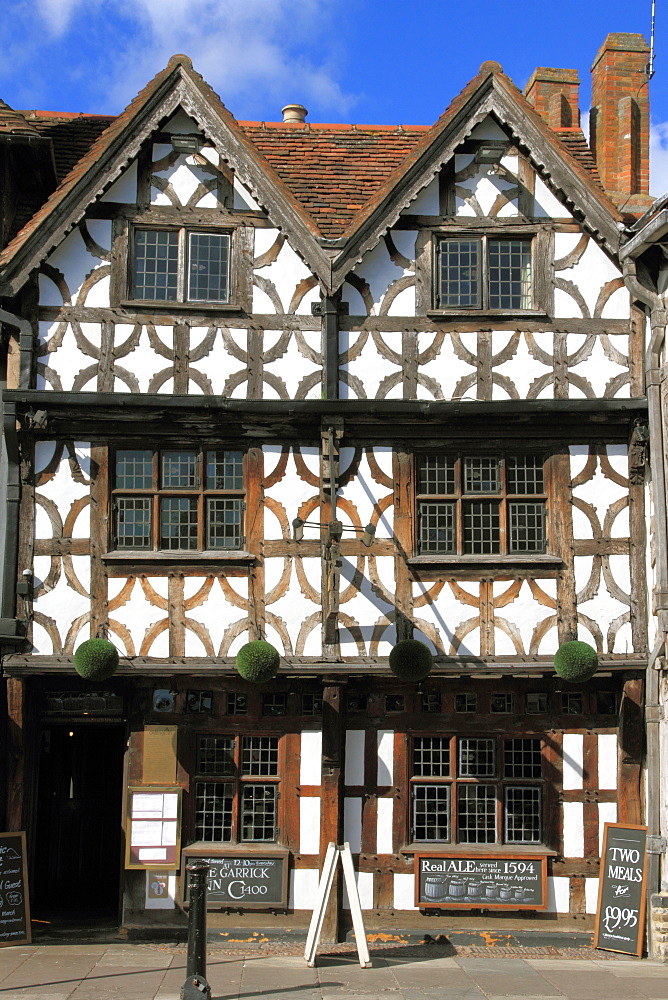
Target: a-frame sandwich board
[324, 888]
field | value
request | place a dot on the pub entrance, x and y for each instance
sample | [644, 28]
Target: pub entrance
[77, 860]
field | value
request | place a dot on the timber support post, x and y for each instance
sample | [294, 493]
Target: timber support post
[195, 987]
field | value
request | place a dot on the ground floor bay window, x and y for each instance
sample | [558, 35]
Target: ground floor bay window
[477, 790]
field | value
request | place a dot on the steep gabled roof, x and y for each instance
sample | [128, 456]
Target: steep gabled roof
[176, 86]
[13, 123]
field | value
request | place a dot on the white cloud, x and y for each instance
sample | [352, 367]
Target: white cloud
[658, 158]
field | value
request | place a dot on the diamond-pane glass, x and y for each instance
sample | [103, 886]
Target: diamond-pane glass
[224, 523]
[224, 470]
[460, 273]
[156, 262]
[510, 274]
[431, 813]
[133, 522]
[209, 265]
[134, 470]
[522, 809]
[178, 523]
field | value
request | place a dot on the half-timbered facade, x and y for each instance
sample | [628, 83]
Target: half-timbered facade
[417, 344]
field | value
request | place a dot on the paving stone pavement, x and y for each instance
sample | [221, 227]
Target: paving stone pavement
[156, 972]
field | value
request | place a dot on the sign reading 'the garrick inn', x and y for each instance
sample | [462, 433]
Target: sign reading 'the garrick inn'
[485, 881]
[242, 880]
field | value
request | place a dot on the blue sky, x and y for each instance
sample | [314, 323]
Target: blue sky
[370, 61]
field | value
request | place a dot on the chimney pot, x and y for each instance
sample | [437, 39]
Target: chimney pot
[294, 113]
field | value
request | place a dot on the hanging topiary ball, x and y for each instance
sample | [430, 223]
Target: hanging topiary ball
[258, 661]
[576, 661]
[96, 659]
[411, 660]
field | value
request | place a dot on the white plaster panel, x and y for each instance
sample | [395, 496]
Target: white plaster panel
[180, 124]
[403, 304]
[558, 894]
[383, 456]
[192, 643]
[565, 306]
[63, 604]
[488, 129]
[74, 261]
[525, 613]
[444, 612]
[522, 369]
[618, 456]
[378, 271]
[44, 452]
[364, 881]
[216, 613]
[243, 198]
[81, 570]
[219, 364]
[167, 900]
[404, 892]
[446, 369]
[607, 813]
[352, 822]
[310, 768]
[137, 614]
[285, 274]
[385, 756]
[143, 361]
[98, 294]
[573, 760]
[573, 829]
[354, 300]
[603, 609]
[369, 367]
[546, 205]
[309, 824]
[125, 188]
[363, 491]
[354, 757]
[384, 842]
[62, 489]
[486, 185]
[262, 304]
[597, 368]
[607, 760]
[366, 607]
[40, 567]
[591, 895]
[591, 273]
[67, 361]
[303, 888]
[264, 239]
[427, 201]
[291, 368]
[184, 177]
[293, 608]
[600, 492]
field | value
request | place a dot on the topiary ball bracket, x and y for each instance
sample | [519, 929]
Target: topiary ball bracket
[258, 661]
[411, 660]
[96, 659]
[576, 661]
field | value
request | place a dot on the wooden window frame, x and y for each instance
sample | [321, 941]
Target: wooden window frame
[239, 781]
[156, 493]
[454, 781]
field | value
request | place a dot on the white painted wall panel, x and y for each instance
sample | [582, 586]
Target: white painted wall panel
[607, 760]
[354, 772]
[303, 888]
[404, 892]
[558, 894]
[591, 895]
[124, 189]
[385, 756]
[573, 829]
[310, 761]
[364, 881]
[384, 841]
[607, 813]
[352, 822]
[573, 760]
[309, 824]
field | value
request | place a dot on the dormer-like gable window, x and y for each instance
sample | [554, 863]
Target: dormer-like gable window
[180, 265]
[484, 273]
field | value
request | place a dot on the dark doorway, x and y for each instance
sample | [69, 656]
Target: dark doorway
[78, 833]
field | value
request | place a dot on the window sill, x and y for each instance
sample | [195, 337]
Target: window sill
[216, 848]
[487, 313]
[191, 307]
[436, 559]
[178, 556]
[467, 849]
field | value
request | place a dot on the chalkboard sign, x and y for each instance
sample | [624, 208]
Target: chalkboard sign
[481, 881]
[620, 915]
[14, 901]
[242, 880]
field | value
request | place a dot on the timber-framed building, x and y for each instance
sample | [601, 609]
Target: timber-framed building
[418, 344]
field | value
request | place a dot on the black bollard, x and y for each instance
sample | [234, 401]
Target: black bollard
[196, 986]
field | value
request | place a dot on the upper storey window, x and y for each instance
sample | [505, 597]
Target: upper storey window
[481, 505]
[178, 500]
[484, 273]
[177, 265]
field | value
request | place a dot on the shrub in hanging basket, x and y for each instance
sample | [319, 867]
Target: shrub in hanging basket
[576, 661]
[96, 659]
[258, 661]
[411, 660]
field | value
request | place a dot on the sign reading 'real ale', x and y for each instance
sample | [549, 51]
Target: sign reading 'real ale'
[485, 881]
[14, 901]
[242, 880]
[620, 916]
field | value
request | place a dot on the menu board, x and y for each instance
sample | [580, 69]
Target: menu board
[620, 915]
[14, 899]
[248, 881]
[481, 881]
[153, 827]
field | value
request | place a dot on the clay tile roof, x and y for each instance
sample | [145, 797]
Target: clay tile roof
[333, 170]
[13, 122]
[72, 135]
[576, 143]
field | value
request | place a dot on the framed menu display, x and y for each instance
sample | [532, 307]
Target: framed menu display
[481, 881]
[153, 827]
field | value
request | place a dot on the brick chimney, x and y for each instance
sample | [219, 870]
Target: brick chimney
[619, 121]
[554, 95]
